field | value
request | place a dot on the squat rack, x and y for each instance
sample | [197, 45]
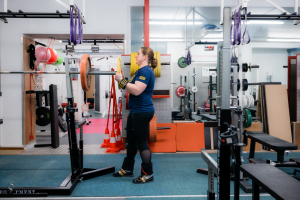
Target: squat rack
[222, 167]
[79, 173]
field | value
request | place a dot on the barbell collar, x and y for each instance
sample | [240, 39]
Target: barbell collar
[163, 63]
[55, 72]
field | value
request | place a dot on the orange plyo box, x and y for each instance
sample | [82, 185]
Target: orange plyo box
[166, 139]
[190, 137]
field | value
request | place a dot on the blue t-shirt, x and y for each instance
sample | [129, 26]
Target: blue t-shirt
[143, 102]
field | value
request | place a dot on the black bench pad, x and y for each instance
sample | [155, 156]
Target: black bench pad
[297, 160]
[271, 141]
[274, 181]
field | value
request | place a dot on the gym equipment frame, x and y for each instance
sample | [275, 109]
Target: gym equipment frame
[79, 173]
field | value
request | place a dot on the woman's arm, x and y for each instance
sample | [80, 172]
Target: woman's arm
[135, 89]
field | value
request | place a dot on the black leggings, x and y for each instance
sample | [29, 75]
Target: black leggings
[137, 134]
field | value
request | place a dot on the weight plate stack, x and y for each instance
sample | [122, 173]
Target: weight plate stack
[43, 116]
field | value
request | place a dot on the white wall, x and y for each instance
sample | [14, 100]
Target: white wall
[271, 60]
[103, 17]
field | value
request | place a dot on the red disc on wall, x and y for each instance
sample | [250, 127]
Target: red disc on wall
[180, 91]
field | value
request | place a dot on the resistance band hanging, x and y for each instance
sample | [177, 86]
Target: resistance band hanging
[246, 29]
[75, 13]
[237, 33]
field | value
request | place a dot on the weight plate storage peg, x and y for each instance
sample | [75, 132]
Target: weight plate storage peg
[43, 116]
[180, 91]
[182, 62]
[247, 118]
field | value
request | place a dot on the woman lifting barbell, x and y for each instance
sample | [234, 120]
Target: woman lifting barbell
[140, 88]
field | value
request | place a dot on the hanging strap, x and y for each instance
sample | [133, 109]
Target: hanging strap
[246, 29]
[238, 25]
[80, 35]
[75, 18]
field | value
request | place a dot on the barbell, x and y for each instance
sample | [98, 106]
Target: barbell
[85, 72]
[245, 84]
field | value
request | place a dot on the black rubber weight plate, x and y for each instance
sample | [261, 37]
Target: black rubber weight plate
[60, 111]
[43, 116]
[62, 124]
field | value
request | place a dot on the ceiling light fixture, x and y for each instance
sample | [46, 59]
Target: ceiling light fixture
[283, 40]
[166, 40]
[173, 23]
[212, 40]
[262, 22]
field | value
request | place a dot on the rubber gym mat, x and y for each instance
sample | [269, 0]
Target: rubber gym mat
[98, 126]
[174, 174]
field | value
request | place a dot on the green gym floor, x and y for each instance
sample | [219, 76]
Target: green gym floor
[175, 176]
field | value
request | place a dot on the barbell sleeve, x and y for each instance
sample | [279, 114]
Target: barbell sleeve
[55, 72]
[162, 128]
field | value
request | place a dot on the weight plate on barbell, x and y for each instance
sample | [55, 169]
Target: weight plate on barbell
[152, 129]
[247, 118]
[62, 124]
[181, 62]
[43, 117]
[85, 68]
[238, 84]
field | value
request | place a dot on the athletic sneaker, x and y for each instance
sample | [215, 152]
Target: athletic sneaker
[123, 173]
[143, 179]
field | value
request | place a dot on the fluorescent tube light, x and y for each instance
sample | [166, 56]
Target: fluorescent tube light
[262, 22]
[173, 23]
[265, 22]
[283, 40]
[166, 40]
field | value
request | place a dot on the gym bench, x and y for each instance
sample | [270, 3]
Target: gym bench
[276, 144]
[274, 181]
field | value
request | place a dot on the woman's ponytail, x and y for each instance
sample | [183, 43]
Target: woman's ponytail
[154, 63]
